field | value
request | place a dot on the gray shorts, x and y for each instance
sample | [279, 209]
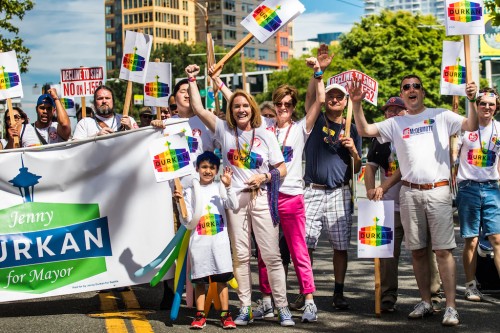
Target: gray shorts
[427, 213]
[330, 210]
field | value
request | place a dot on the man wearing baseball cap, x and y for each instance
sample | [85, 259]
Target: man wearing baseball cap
[330, 156]
[47, 130]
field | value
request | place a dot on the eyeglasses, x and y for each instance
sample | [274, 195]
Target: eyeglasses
[165, 112]
[147, 116]
[416, 86]
[286, 104]
[485, 104]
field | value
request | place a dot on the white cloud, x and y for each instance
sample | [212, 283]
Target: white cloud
[309, 25]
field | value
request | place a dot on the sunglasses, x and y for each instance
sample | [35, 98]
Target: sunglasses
[485, 104]
[416, 86]
[147, 116]
[286, 104]
[165, 112]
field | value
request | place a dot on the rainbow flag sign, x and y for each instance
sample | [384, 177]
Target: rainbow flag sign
[453, 69]
[270, 16]
[170, 157]
[136, 52]
[67, 102]
[375, 229]
[464, 17]
[158, 86]
[10, 77]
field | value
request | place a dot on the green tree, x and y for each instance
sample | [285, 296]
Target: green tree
[9, 9]
[493, 6]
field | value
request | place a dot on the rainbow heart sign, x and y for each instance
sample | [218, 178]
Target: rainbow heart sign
[10, 77]
[464, 17]
[158, 84]
[453, 71]
[136, 51]
[170, 157]
[375, 229]
[270, 16]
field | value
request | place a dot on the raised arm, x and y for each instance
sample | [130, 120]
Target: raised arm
[316, 81]
[324, 60]
[222, 86]
[356, 95]
[471, 124]
[207, 117]
[63, 122]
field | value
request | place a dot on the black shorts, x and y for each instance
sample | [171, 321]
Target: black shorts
[224, 277]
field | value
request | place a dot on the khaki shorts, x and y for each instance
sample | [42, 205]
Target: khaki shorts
[427, 213]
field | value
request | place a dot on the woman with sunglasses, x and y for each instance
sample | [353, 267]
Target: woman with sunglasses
[21, 128]
[255, 158]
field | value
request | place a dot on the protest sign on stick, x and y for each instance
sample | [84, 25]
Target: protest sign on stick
[158, 86]
[67, 102]
[453, 70]
[10, 83]
[269, 17]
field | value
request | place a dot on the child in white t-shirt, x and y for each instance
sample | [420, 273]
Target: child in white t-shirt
[209, 246]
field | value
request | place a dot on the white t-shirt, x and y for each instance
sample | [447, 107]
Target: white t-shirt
[29, 137]
[209, 245]
[89, 127]
[422, 143]
[255, 157]
[480, 164]
[49, 134]
[293, 183]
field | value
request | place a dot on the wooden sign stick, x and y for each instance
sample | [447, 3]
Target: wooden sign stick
[182, 203]
[210, 62]
[158, 110]
[234, 51]
[348, 119]
[468, 68]
[378, 289]
[84, 107]
[12, 121]
[128, 98]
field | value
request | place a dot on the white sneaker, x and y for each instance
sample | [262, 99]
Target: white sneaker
[263, 310]
[450, 317]
[310, 313]
[472, 293]
[422, 309]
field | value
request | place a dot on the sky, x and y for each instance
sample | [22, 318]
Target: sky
[70, 34]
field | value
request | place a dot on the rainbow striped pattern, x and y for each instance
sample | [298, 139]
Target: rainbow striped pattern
[464, 11]
[134, 62]
[376, 235]
[210, 224]
[8, 80]
[254, 161]
[192, 144]
[68, 103]
[267, 18]
[454, 74]
[429, 121]
[287, 153]
[481, 159]
[157, 89]
[393, 166]
[171, 159]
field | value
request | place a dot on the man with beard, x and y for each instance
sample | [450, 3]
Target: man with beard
[106, 121]
[47, 130]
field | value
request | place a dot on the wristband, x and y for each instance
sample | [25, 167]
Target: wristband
[472, 100]
[318, 74]
[221, 85]
[192, 79]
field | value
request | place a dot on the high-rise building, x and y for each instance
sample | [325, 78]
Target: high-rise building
[176, 21]
[434, 7]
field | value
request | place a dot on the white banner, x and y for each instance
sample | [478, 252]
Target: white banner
[270, 16]
[67, 102]
[464, 17]
[81, 81]
[453, 71]
[10, 76]
[136, 50]
[81, 216]
[375, 229]
[369, 85]
[158, 86]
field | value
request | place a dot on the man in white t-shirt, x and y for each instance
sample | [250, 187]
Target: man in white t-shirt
[421, 140]
[106, 121]
[478, 198]
[47, 130]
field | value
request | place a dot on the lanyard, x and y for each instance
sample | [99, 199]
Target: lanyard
[99, 126]
[330, 141]
[277, 133]
[493, 130]
[238, 144]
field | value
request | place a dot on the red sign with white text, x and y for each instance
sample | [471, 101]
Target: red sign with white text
[81, 81]
[369, 85]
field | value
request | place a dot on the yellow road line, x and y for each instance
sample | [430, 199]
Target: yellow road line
[108, 304]
[140, 322]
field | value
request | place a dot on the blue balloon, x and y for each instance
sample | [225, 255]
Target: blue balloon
[178, 292]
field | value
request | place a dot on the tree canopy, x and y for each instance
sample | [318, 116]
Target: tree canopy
[10, 9]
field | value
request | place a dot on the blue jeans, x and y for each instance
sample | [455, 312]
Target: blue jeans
[478, 205]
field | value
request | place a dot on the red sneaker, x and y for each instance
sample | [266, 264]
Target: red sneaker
[227, 321]
[199, 321]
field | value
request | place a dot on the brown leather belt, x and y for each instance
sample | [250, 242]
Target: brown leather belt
[429, 186]
[322, 187]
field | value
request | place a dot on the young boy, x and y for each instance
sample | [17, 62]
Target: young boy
[209, 246]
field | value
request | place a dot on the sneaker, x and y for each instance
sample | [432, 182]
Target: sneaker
[310, 313]
[450, 317]
[199, 321]
[387, 306]
[285, 316]
[245, 316]
[472, 293]
[422, 309]
[227, 321]
[263, 310]
[299, 303]
[340, 302]
[436, 302]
